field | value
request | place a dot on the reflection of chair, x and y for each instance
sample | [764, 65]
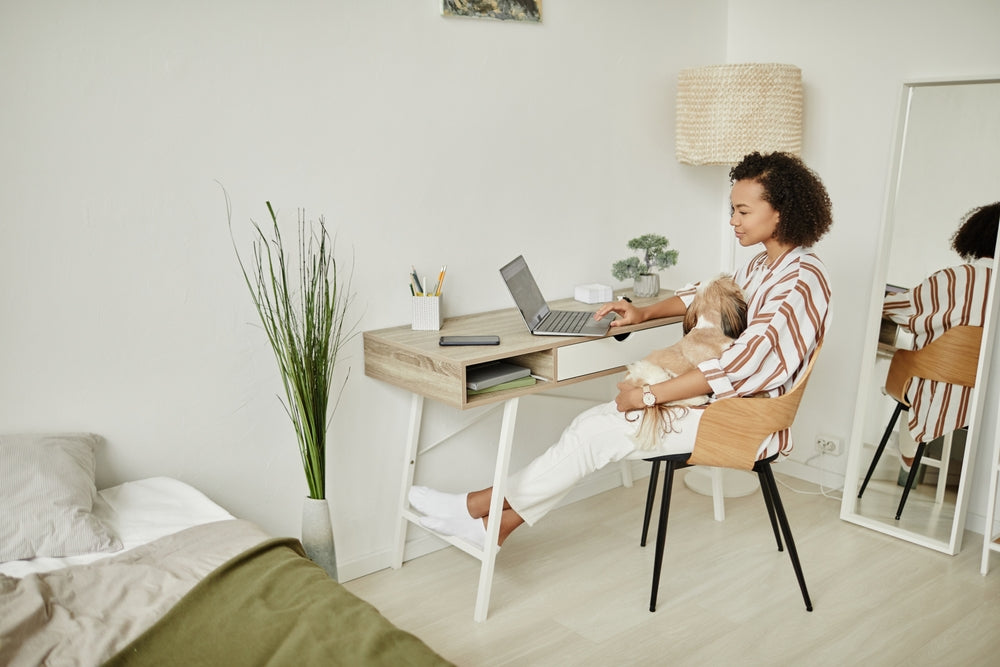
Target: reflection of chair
[951, 358]
[729, 434]
[942, 463]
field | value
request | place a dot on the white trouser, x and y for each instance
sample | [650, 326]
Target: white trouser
[597, 437]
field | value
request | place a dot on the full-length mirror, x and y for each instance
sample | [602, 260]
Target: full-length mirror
[946, 163]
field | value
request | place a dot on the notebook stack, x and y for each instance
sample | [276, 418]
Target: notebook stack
[496, 376]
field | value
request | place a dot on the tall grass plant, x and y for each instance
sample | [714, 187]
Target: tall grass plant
[305, 319]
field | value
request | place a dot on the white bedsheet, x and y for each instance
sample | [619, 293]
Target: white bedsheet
[138, 512]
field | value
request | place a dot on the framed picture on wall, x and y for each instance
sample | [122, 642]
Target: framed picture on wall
[503, 10]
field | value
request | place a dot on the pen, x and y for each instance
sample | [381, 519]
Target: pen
[416, 280]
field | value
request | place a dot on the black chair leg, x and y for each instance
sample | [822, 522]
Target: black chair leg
[881, 446]
[766, 476]
[911, 478]
[661, 531]
[770, 513]
[654, 475]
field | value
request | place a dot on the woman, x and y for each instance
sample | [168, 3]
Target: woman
[777, 202]
[947, 298]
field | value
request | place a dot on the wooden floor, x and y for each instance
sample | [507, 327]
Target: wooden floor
[574, 590]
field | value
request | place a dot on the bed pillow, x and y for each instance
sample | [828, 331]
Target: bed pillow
[47, 494]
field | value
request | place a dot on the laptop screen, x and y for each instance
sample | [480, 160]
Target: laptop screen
[525, 291]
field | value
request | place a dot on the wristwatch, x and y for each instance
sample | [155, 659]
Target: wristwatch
[647, 396]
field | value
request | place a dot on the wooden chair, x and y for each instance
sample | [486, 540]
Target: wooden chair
[729, 435]
[953, 358]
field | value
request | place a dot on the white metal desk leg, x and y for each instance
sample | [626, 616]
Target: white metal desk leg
[496, 509]
[412, 440]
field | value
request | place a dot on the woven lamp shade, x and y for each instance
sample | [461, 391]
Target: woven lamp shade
[725, 112]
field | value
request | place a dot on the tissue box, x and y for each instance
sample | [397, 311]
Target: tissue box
[593, 293]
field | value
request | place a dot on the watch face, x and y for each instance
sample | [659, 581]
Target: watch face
[647, 396]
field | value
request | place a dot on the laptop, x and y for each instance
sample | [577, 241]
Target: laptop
[539, 318]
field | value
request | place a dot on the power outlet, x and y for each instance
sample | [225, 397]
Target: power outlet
[828, 444]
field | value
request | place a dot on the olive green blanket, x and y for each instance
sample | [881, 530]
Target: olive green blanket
[272, 606]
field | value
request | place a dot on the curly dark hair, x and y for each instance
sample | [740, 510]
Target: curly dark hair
[977, 234]
[794, 191]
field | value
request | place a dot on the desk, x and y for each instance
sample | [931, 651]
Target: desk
[414, 361]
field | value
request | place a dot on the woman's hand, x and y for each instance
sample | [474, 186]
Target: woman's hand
[627, 313]
[688, 385]
[629, 397]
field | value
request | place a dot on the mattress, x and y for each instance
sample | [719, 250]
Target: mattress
[137, 512]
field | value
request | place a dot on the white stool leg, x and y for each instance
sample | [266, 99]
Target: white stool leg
[720, 483]
[708, 481]
[718, 495]
[626, 471]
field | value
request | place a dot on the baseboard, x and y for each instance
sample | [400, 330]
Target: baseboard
[826, 479]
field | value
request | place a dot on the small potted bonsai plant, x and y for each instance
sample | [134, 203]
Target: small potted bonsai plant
[652, 252]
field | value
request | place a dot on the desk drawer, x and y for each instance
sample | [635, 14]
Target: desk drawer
[601, 354]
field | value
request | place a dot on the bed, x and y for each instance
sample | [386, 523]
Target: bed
[152, 572]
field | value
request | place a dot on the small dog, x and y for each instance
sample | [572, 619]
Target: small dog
[716, 317]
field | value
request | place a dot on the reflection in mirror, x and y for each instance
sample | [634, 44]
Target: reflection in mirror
[945, 164]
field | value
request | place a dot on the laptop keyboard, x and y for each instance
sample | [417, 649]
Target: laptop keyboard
[567, 321]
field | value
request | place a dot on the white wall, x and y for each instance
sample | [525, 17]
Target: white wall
[854, 57]
[423, 140]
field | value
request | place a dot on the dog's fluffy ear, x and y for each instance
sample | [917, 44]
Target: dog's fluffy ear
[721, 297]
[694, 310]
[690, 319]
[734, 314]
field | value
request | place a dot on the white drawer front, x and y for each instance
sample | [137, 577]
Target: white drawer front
[600, 354]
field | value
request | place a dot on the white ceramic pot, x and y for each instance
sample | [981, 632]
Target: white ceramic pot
[647, 284]
[317, 535]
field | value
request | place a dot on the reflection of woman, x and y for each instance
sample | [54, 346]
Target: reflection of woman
[777, 202]
[947, 298]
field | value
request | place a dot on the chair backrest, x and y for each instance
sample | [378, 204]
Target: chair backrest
[732, 429]
[952, 357]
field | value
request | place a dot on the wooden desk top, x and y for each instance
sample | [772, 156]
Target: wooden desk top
[414, 361]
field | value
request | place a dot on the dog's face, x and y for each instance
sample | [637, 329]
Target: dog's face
[721, 302]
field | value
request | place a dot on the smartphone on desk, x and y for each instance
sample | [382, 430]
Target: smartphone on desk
[470, 340]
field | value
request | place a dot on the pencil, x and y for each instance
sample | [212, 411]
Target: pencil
[437, 292]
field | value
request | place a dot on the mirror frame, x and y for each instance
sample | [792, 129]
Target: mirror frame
[855, 466]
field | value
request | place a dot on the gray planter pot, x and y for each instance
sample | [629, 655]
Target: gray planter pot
[317, 535]
[647, 284]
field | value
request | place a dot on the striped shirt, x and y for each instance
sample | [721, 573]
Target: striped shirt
[787, 312]
[947, 298]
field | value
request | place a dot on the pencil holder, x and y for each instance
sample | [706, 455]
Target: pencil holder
[426, 313]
